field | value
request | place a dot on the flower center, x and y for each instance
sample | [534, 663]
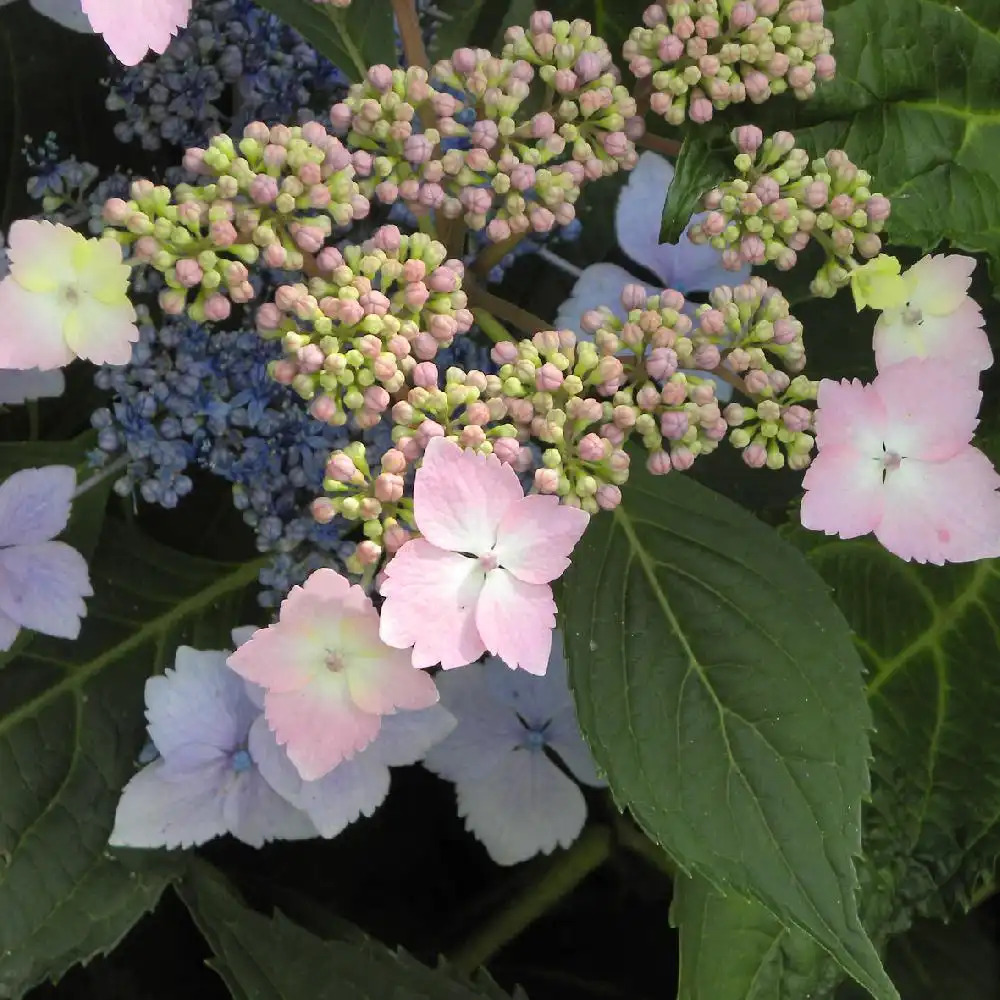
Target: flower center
[890, 462]
[534, 739]
[912, 316]
[71, 296]
[489, 561]
[334, 662]
[241, 761]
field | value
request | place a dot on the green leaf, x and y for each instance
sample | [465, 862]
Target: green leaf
[914, 103]
[931, 638]
[718, 688]
[458, 20]
[702, 163]
[71, 725]
[353, 39]
[270, 958]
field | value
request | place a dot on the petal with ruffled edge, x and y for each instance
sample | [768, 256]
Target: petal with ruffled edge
[160, 808]
[256, 814]
[19, 385]
[843, 493]
[133, 27]
[407, 736]
[931, 408]
[42, 587]
[460, 497]
[101, 333]
[319, 727]
[41, 255]
[31, 328]
[354, 788]
[198, 710]
[329, 585]
[8, 632]
[66, 13]
[536, 537]
[850, 414]
[958, 338]
[684, 266]
[522, 807]
[515, 621]
[384, 680]
[941, 512]
[938, 285]
[35, 504]
[430, 604]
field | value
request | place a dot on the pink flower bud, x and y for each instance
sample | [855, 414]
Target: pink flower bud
[877, 208]
[388, 487]
[755, 455]
[341, 468]
[324, 409]
[670, 49]
[504, 353]
[826, 66]
[217, 308]
[546, 480]
[548, 378]
[658, 463]
[608, 497]
[425, 375]
[507, 449]
[748, 138]
[591, 448]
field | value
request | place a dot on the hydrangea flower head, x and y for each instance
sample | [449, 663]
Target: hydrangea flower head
[328, 676]
[133, 27]
[895, 459]
[479, 578]
[938, 318]
[65, 297]
[205, 782]
[42, 582]
[879, 284]
[513, 796]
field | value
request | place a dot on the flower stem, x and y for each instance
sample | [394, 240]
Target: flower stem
[410, 33]
[494, 253]
[98, 477]
[525, 321]
[336, 16]
[491, 326]
[565, 872]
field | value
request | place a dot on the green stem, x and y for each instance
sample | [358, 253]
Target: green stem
[634, 840]
[336, 16]
[34, 424]
[525, 321]
[566, 871]
[495, 253]
[491, 326]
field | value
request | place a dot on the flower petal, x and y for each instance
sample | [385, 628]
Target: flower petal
[843, 492]
[515, 621]
[42, 587]
[35, 504]
[318, 727]
[850, 414]
[385, 681]
[931, 408]
[598, 285]
[522, 807]
[256, 814]
[136, 26]
[430, 604]
[938, 285]
[198, 710]
[41, 254]
[460, 497]
[536, 537]
[162, 809]
[353, 788]
[941, 512]
[8, 632]
[683, 265]
[19, 385]
[31, 328]
[406, 737]
[103, 334]
[958, 338]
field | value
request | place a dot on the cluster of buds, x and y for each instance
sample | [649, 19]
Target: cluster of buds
[780, 201]
[375, 499]
[703, 55]
[364, 321]
[479, 156]
[274, 199]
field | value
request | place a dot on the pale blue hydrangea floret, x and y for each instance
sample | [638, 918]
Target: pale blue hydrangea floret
[233, 64]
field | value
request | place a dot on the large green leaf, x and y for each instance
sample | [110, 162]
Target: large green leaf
[353, 39]
[458, 21]
[700, 166]
[271, 958]
[718, 688]
[71, 724]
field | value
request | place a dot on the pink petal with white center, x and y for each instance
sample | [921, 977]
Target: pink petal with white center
[941, 512]
[31, 328]
[851, 414]
[319, 727]
[158, 809]
[536, 537]
[460, 497]
[42, 587]
[280, 657]
[843, 492]
[386, 681]
[103, 334]
[516, 620]
[931, 408]
[35, 504]
[41, 255]
[430, 604]
[331, 586]
[957, 338]
[938, 285]
[132, 27]
[8, 632]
